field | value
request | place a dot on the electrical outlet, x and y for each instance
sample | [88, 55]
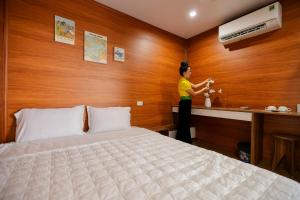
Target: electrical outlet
[140, 103]
[298, 108]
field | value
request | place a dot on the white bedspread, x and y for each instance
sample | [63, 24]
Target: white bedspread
[133, 164]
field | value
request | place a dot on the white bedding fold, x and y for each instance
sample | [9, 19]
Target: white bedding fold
[18, 149]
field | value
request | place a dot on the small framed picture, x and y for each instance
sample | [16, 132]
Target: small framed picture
[119, 54]
[64, 30]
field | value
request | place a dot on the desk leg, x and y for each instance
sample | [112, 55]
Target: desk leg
[257, 137]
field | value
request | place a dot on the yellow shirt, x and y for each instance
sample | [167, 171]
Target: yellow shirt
[183, 86]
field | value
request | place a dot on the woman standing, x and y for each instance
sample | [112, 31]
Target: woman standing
[186, 91]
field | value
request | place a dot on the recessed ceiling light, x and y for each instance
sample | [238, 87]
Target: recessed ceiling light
[193, 14]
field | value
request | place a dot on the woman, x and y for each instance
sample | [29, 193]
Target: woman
[186, 91]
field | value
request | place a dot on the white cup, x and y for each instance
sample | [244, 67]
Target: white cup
[271, 108]
[298, 108]
[284, 109]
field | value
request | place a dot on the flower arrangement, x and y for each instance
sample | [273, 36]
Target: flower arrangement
[210, 92]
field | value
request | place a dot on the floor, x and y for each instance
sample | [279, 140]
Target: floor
[264, 164]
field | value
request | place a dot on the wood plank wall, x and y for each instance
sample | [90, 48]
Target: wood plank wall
[43, 73]
[2, 69]
[257, 72]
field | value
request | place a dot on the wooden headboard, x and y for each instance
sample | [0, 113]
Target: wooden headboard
[42, 73]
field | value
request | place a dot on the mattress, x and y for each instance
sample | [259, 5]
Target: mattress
[133, 164]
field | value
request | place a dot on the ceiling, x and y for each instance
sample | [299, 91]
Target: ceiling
[173, 15]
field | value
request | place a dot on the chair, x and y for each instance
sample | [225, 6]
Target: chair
[284, 145]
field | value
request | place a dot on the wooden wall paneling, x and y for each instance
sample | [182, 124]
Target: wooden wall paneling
[256, 72]
[2, 68]
[43, 73]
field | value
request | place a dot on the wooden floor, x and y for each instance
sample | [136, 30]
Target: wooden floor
[264, 164]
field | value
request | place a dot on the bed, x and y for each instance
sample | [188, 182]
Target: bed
[131, 164]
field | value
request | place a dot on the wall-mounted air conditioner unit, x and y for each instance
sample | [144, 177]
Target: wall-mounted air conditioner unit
[256, 23]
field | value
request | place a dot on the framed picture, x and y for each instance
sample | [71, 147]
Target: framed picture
[95, 47]
[119, 54]
[64, 30]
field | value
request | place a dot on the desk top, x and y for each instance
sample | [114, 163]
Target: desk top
[259, 111]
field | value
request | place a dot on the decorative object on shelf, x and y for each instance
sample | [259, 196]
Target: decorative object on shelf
[119, 54]
[279, 109]
[271, 108]
[95, 47]
[207, 103]
[284, 109]
[64, 30]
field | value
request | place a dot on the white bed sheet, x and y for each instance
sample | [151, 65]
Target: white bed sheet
[131, 164]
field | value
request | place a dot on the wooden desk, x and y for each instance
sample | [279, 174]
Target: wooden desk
[254, 116]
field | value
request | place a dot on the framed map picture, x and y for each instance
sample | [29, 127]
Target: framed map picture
[64, 30]
[119, 54]
[95, 47]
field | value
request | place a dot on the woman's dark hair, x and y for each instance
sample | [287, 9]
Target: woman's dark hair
[183, 67]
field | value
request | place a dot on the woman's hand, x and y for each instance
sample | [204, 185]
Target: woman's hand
[194, 93]
[195, 86]
[210, 80]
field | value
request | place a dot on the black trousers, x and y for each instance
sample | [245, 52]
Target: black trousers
[184, 118]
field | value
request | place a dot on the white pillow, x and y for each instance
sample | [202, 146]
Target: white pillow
[34, 124]
[108, 119]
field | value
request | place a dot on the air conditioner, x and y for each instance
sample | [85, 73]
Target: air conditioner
[256, 23]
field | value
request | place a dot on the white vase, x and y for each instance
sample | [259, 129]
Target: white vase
[207, 102]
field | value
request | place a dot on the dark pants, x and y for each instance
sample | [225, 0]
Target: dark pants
[184, 118]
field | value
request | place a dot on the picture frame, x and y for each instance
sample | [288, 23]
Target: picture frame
[119, 54]
[95, 47]
[64, 30]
